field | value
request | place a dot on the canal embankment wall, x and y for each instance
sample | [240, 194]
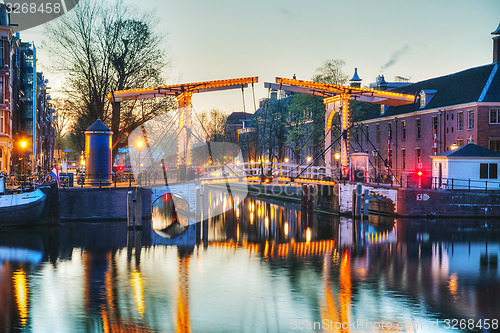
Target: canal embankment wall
[99, 204]
[442, 203]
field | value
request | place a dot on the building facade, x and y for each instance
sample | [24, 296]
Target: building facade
[448, 111]
[27, 135]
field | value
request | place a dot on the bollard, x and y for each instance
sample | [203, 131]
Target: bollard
[138, 208]
[359, 206]
[353, 203]
[198, 204]
[130, 210]
[366, 205]
[305, 194]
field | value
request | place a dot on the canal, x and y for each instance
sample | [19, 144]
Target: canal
[263, 266]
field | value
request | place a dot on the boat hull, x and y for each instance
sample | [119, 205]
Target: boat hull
[22, 208]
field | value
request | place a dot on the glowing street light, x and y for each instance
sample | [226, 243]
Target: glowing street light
[287, 160]
[454, 146]
[337, 156]
[24, 144]
[309, 159]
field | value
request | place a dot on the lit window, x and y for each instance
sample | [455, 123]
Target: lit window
[403, 130]
[460, 142]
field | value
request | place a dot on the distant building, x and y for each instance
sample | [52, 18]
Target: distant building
[6, 141]
[382, 84]
[454, 109]
[32, 115]
[235, 121]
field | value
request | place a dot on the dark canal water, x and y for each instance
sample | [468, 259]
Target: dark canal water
[262, 267]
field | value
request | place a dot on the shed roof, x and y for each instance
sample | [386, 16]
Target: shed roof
[470, 150]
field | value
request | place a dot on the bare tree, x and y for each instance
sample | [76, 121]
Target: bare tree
[331, 72]
[213, 124]
[104, 47]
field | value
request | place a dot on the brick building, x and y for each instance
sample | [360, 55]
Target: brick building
[6, 141]
[449, 110]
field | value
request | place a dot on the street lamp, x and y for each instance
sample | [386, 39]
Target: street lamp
[23, 145]
[309, 159]
[287, 160]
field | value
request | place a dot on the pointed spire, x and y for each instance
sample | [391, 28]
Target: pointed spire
[496, 32]
[356, 80]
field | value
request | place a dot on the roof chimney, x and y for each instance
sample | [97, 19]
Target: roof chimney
[496, 44]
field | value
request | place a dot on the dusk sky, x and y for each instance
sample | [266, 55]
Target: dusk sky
[218, 39]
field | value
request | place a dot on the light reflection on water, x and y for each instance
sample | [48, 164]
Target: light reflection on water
[264, 266]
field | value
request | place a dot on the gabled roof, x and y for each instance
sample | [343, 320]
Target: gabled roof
[470, 150]
[237, 117]
[478, 84]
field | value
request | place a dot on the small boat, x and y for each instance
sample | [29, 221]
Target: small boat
[20, 207]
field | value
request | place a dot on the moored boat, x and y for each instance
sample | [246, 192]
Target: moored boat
[20, 207]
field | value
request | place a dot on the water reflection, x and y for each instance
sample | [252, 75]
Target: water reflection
[261, 266]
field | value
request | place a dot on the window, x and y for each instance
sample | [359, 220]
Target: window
[419, 132]
[2, 122]
[403, 130]
[494, 116]
[367, 133]
[390, 131]
[2, 57]
[460, 121]
[403, 158]
[390, 158]
[460, 142]
[435, 123]
[470, 119]
[417, 154]
[470, 139]
[494, 144]
[488, 171]
[377, 139]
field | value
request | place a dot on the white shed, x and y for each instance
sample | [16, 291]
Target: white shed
[468, 167]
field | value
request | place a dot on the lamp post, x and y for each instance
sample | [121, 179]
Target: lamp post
[23, 145]
[337, 158]
[139, 146]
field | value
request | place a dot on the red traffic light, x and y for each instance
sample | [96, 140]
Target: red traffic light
[420, 173]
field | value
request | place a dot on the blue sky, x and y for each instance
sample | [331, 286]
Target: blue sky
[219, 39]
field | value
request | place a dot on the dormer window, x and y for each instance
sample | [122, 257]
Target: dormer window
[425, 97]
